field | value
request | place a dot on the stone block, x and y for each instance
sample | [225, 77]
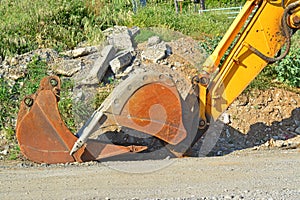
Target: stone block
[80, 52]
[120, 62]
[121, 41]
[100, 66]
[156, 52]
[68, 67]
[154, 40]
[134, 31]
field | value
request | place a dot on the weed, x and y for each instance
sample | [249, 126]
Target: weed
[166, 35]
[100, 97]
[65, 105]
[288, 69]
[9, 104]
[14, 153]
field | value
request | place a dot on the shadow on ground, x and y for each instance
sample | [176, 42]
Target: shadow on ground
[231, 139]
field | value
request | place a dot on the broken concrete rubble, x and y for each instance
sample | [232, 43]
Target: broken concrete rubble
[100, 66]
[120, 38]
[120, 62]
[154, 40]
[156, 52]
[134, 31]
[80, 52]
[68, 67]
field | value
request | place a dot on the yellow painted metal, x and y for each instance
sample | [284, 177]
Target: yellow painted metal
[213, 61]
[263, 32]
[211, 64]
[202, 96]
[294, 19]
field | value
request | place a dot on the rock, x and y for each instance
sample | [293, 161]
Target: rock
[219, 153]
[228, 197]
[155, 52]
[134, 31]
[177, 64]
[44, 165]
[14, 61]
[5, 62]
[120, 38]
[121, 61]
[47, 55]
[164, 62]
[15, 74]
[100, 66]
[297, 130]
[80, 52]
[128, 70]
[154, 40]
[83, 107]
[294, 101]
[228, 135]
[79, 97]
[225, 118]
[4, 152]
[136, 62]
[114, 30]
[275, 143]
[296, 116]
[68, 67]
[275, 137]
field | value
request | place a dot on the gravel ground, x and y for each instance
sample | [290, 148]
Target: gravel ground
[247, 174]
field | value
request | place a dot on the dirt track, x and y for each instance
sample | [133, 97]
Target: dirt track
[242, 175]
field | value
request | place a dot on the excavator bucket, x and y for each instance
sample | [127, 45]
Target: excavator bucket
[148, 103]
[155, 108]
[43, 136]
[41, 133]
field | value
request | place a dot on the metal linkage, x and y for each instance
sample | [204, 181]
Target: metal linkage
[287, 31]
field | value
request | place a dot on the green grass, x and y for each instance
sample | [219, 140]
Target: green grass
[27, 25]
[166, 35]
[35, 24]
[65, 105]
[11, 95]
[188, 23]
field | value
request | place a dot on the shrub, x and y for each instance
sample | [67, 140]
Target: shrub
[288, 69]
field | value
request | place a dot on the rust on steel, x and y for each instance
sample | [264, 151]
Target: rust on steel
[155, 109]
[44, 138]
[41, 133]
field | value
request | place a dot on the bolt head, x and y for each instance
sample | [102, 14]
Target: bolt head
[296, 19]
[53, 82]
[28, 101]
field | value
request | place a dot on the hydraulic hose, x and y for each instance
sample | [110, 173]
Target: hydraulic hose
[286, 32]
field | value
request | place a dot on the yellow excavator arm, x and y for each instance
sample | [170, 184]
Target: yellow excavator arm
[256, 43]
[150, 104]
